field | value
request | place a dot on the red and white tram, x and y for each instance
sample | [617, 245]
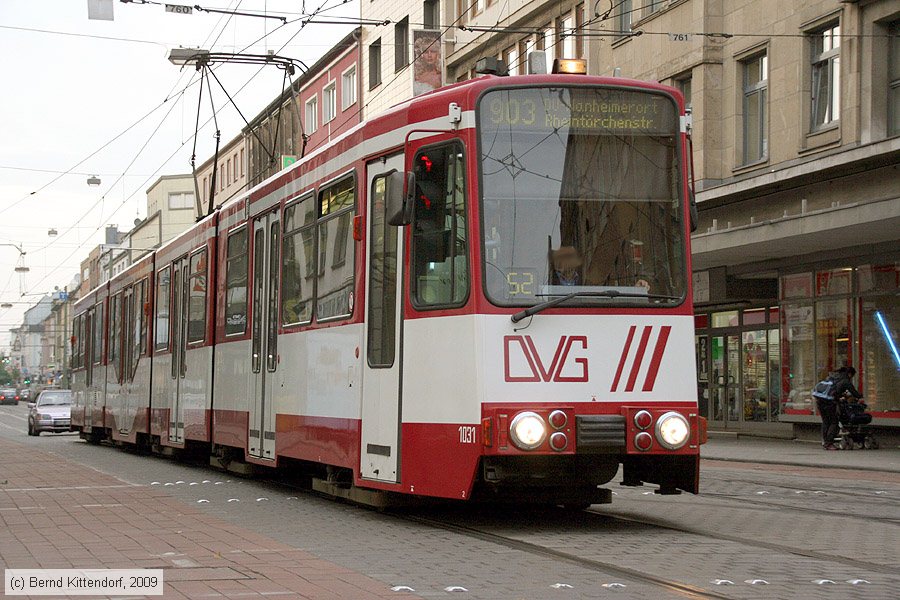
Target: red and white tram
[483, 292]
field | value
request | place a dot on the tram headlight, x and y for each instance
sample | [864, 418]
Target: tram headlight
[672, 430]
[527, 430]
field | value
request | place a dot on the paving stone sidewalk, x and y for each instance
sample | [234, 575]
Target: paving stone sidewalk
[795, 452]
[56, 514]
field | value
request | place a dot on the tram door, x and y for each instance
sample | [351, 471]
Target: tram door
[380, 452]
[180, 294]
[263, 349]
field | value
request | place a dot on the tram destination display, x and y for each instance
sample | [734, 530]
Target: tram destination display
[578, 110]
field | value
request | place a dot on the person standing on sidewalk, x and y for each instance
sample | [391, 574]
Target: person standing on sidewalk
[828, 407]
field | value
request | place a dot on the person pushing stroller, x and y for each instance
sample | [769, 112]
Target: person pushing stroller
[828, 393]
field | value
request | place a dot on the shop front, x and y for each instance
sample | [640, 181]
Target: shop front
[757, 365]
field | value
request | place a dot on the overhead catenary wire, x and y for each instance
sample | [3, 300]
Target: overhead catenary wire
[323, 8]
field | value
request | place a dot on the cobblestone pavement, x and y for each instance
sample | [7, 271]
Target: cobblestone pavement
[252, 538]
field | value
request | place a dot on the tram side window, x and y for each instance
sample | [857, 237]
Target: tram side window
[115, 325]
[142, 319]
[298, 267]
[334, 284]
[440, 237]
[162, 309]
[97, 325]
[381, 346]
[236, 283]
[197, 300]
[127, 319]
[76, 342]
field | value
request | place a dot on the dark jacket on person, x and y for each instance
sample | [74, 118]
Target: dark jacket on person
[843, 385]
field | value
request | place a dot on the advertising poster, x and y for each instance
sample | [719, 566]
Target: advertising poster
[428, 65]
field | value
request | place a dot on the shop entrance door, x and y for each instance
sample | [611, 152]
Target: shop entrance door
[724, 382]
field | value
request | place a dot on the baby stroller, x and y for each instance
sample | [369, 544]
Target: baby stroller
[855, 431]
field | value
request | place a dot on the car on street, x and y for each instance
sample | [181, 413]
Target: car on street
[25, 395]
[9, 395]
[51, 411]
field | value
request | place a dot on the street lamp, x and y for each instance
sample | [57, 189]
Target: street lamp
[93, 180]
[6, 305]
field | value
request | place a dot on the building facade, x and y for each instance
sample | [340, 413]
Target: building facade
[397, 58]
[324, 102]
[796, 145]
[230, 177]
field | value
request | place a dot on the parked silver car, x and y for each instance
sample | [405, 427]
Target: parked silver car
[51, 411]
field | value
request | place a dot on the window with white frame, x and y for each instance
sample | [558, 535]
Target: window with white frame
[683, 83]
[312, 115]
[348, 88]
[755, 98]
[432, 15]
[401, 44]
[623, 18]
[566, 37]
[375, 64]
[549, 44]
[329, 102]
[525, 47]
[511, 59]
[180, 200]
[894, 80]
[652, 6]
[826, 76]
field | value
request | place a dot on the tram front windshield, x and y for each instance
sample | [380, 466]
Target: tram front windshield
[581, 193]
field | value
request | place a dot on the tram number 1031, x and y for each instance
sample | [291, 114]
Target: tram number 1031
[467, 434]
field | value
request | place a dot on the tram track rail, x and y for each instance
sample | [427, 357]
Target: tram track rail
[864, 517]
[671, 585]
[812, 554]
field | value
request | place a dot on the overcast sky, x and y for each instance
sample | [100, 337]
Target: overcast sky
[73, 86]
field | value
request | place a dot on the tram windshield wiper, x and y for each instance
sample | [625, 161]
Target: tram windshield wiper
[533, 310]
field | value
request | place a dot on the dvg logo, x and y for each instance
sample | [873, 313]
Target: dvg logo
[539, 369]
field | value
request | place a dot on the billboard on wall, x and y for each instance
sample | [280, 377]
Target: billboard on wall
[428, 63]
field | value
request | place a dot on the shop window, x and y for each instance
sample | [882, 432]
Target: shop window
[833, 335]
[879, 278]
[725, 319]
[833, 283]
[755, 379]
[775, 391]
[755, 317]
[798, 372]
[774, 313]
[798, 285]
[880, 367]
